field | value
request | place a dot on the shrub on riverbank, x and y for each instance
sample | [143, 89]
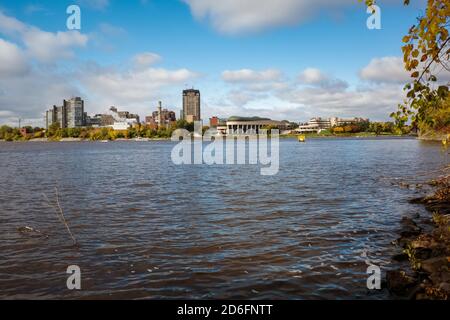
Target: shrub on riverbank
[14, 134]
[55, 133]
[437, 123]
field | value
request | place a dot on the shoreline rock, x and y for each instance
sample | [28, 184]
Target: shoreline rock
[424, 254]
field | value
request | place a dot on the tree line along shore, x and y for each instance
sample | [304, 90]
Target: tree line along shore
[55, 133]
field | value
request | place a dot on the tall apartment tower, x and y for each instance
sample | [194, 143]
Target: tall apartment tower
[70, 115]
[74, 112]
[55, 115]
[191, 105]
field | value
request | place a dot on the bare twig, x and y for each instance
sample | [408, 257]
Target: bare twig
[60, 213]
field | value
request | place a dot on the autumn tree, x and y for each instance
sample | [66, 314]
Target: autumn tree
[426, 52]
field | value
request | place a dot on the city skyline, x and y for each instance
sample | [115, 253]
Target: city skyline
[241, 68]
[72, 114]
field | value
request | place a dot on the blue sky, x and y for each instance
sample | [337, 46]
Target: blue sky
[287, 59]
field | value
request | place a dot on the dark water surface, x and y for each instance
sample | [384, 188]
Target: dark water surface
[149, 229]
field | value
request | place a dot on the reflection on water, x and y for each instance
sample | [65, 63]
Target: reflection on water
[150, 229]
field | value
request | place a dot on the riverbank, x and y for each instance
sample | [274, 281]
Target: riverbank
[348, 135]
[424, 248]
[290, 136]
[435, 136]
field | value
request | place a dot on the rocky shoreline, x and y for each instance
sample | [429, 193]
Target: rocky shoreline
[424, 249]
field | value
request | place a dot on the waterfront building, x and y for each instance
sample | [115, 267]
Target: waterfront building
[320, 123]
[100, 120]
[316, 125]
[222, 128]
[219, 124]
[213, 122]
[250, 125]
[191, 105]
[123, 115]
[75, 115]
[123, 120]
[337, 122]
[54, 115]
[70, 115]
[286, 125]
[161, 118]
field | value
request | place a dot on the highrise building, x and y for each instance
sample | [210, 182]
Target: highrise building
[191, 105]
[75, 116]
[54, 115]
[70, 115]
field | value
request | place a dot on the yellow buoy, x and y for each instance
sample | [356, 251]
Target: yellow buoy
[301, 138]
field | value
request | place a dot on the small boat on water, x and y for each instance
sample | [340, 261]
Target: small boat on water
[301, 138]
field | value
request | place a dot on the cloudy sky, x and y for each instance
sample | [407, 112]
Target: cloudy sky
[284, 59]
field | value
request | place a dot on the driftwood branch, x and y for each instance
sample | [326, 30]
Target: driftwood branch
[60, 213]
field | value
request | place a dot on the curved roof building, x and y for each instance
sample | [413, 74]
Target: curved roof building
[250, 125]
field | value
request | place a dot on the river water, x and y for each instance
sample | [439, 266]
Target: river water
[148, 229]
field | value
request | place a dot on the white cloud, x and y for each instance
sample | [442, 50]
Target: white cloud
[12, 60]
[45, 46]
[391, 70]
[248, 75]
[10, 25]
[312, 93]
[145, 59]
[133, 88]
[251, 85]
[385, 69]
[312, 76]
[315, 77]
[6, 114]
[373, 102]
[49, 47]
[28, 96]
[235, 16]
[241, 98]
